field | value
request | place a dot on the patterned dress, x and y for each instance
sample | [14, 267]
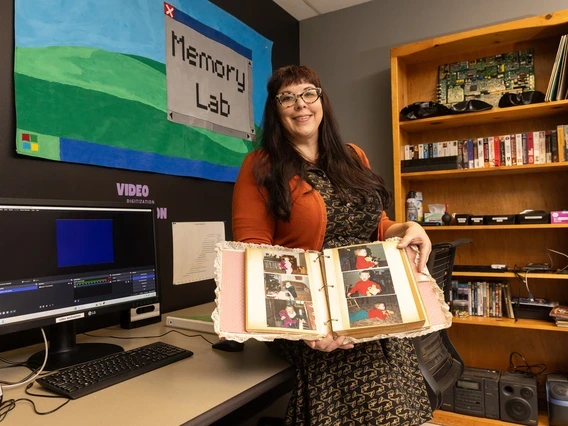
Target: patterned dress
[375, 383]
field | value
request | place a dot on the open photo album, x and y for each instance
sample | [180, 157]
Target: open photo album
[365, 292]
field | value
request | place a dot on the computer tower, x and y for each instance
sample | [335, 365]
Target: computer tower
[140, 315]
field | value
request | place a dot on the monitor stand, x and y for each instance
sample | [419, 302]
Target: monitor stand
[64, 351]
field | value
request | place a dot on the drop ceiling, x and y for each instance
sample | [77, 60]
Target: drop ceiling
[304, 9]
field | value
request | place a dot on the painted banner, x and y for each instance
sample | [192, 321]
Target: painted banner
[94, 85]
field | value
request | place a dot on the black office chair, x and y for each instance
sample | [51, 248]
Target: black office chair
[439, 361]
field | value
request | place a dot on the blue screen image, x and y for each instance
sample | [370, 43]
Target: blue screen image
[84, 242]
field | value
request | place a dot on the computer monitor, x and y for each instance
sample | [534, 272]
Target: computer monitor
[61, 261]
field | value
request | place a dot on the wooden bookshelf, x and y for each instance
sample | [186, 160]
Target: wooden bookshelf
[473, 173]
[447, 418]
[521, 323]
[490, 342]
[507, 275]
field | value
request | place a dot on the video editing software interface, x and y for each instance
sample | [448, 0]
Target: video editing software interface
[65, 262]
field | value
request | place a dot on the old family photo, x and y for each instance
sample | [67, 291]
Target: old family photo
[369, 291]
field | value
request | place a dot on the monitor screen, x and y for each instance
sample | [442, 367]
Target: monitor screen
[63, 261]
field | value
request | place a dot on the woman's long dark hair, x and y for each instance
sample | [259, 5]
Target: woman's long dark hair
[282, 161]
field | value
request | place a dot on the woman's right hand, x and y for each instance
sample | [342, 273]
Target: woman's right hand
[329, 343]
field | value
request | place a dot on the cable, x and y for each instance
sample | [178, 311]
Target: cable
[10, 404]
[526, 369]
[33, 371]
[37, 372]
[529, 293]
[150, 337]
[525, 281]
[12, 363]
[557, 252]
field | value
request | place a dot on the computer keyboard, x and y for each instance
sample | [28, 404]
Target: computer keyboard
[82, 379]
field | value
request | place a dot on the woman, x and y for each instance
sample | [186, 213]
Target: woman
[304, 188]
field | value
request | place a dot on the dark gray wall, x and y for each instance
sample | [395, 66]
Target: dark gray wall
[350, 49]
[186, 199]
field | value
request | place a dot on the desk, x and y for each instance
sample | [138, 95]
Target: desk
[195, 391]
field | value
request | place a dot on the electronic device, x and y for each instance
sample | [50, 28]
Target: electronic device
[228, 346]
[448, 400]
[63, 261]
[518, 398]
[80, 380]
[533, 308]
[140, 315]
[531, 267]
[476, 393]
[481, 268]
[557, 399]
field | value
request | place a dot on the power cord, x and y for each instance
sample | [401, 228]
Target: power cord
[9, 404]
[550, 257]
[525, 368]
[150, 337]
[525, 281]
[31, 377]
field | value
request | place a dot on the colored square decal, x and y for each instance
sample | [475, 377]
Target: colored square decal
[33, 138]
[35, 147]
[25, 137]
[26, 146]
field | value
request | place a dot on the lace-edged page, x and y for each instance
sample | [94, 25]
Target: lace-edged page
[438, 311]
[229, 316]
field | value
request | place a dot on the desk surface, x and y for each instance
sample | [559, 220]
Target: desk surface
[194, 391]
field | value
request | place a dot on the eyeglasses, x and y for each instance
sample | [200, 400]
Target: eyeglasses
[309, 96]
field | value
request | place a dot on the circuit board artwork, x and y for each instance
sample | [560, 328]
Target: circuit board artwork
[486, 78]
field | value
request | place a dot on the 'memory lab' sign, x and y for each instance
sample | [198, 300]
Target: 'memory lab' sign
[209, 77]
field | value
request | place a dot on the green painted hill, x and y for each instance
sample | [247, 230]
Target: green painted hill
[112, 99]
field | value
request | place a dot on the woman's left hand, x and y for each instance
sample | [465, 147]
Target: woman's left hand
[329, 343]
[411, 233]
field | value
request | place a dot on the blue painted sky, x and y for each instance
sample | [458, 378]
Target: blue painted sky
[133, 27]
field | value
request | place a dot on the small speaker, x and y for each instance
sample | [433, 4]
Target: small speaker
[518, 399]
[557, 399]
[140, 316]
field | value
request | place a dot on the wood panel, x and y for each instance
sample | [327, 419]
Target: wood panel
[491, 347]
[446, 418]
[462, 44]
[503, 195]
[423, 78]
[509, 247]
[534, 112]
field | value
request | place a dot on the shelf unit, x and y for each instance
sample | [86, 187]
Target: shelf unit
[489, 342]
[447, 418]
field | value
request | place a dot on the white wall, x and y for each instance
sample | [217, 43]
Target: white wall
[350, 49]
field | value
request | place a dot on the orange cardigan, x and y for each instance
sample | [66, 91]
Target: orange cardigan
[252, 222]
